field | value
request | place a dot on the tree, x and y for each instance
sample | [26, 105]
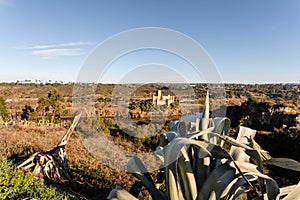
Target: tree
[51, 106]
[146, 105]
[133, 104]
[27, 110]
[3, 110]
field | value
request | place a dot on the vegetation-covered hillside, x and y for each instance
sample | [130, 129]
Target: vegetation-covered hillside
[35, 116]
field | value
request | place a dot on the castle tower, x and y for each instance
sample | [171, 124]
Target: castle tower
[159, 94]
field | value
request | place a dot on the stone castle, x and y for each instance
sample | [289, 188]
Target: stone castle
[159, 99]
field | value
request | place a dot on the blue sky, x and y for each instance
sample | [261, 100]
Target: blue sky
[250, 41]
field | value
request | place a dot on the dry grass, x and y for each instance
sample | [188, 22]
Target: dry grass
[25, 140]
[94, 180]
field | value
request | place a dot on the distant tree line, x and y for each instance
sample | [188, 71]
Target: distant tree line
[49, 108]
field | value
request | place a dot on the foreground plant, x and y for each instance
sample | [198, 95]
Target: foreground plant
[19, 185]
[52, 164]
[197, 166]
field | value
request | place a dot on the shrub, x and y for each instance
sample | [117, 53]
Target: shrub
[3, 110]
[19, 185]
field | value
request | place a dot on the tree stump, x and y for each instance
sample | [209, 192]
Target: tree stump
[52, 164]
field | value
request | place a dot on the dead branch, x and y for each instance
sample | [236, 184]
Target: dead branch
[51, 164]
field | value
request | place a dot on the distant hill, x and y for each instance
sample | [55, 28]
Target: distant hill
[285, 96]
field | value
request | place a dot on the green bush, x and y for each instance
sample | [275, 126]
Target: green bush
[19, 185]
[3, 110]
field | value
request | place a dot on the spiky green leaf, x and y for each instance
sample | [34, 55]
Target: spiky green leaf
[285, 163]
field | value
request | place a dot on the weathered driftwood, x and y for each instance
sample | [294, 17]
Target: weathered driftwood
[51, 164]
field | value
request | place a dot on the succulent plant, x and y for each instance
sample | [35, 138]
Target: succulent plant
[197, 166]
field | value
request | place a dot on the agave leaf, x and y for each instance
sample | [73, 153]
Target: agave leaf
[245, 166]
[203, 164]
[136, 167]
[172, 186]
[200, 172]
[295, 194]
[287, 190]
[284, 163]
[251, 169]
[206, 106]
[200, 167]
[264, 155]
[239, 191]
[257, 158]
[212, 196]
[211, 149]
[159, 153]
[217, 182]
[222, 126]
[232, 141]
[243, 135]
[271, 185]
[205, 119]
[176, 148]
[197, 134]
[219, 153]
[187, 168]
[135, 189]
[188, 178]
[204, 123]
[120, 194]
[233, 187]
[139, 167]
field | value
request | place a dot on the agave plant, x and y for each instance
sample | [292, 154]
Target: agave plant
[197, 166]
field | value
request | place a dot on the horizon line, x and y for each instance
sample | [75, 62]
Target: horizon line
[25, 82]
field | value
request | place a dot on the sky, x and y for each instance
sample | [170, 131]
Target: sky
[249, 41]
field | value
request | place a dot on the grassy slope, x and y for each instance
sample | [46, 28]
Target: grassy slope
[93, 180]
[19, 185]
